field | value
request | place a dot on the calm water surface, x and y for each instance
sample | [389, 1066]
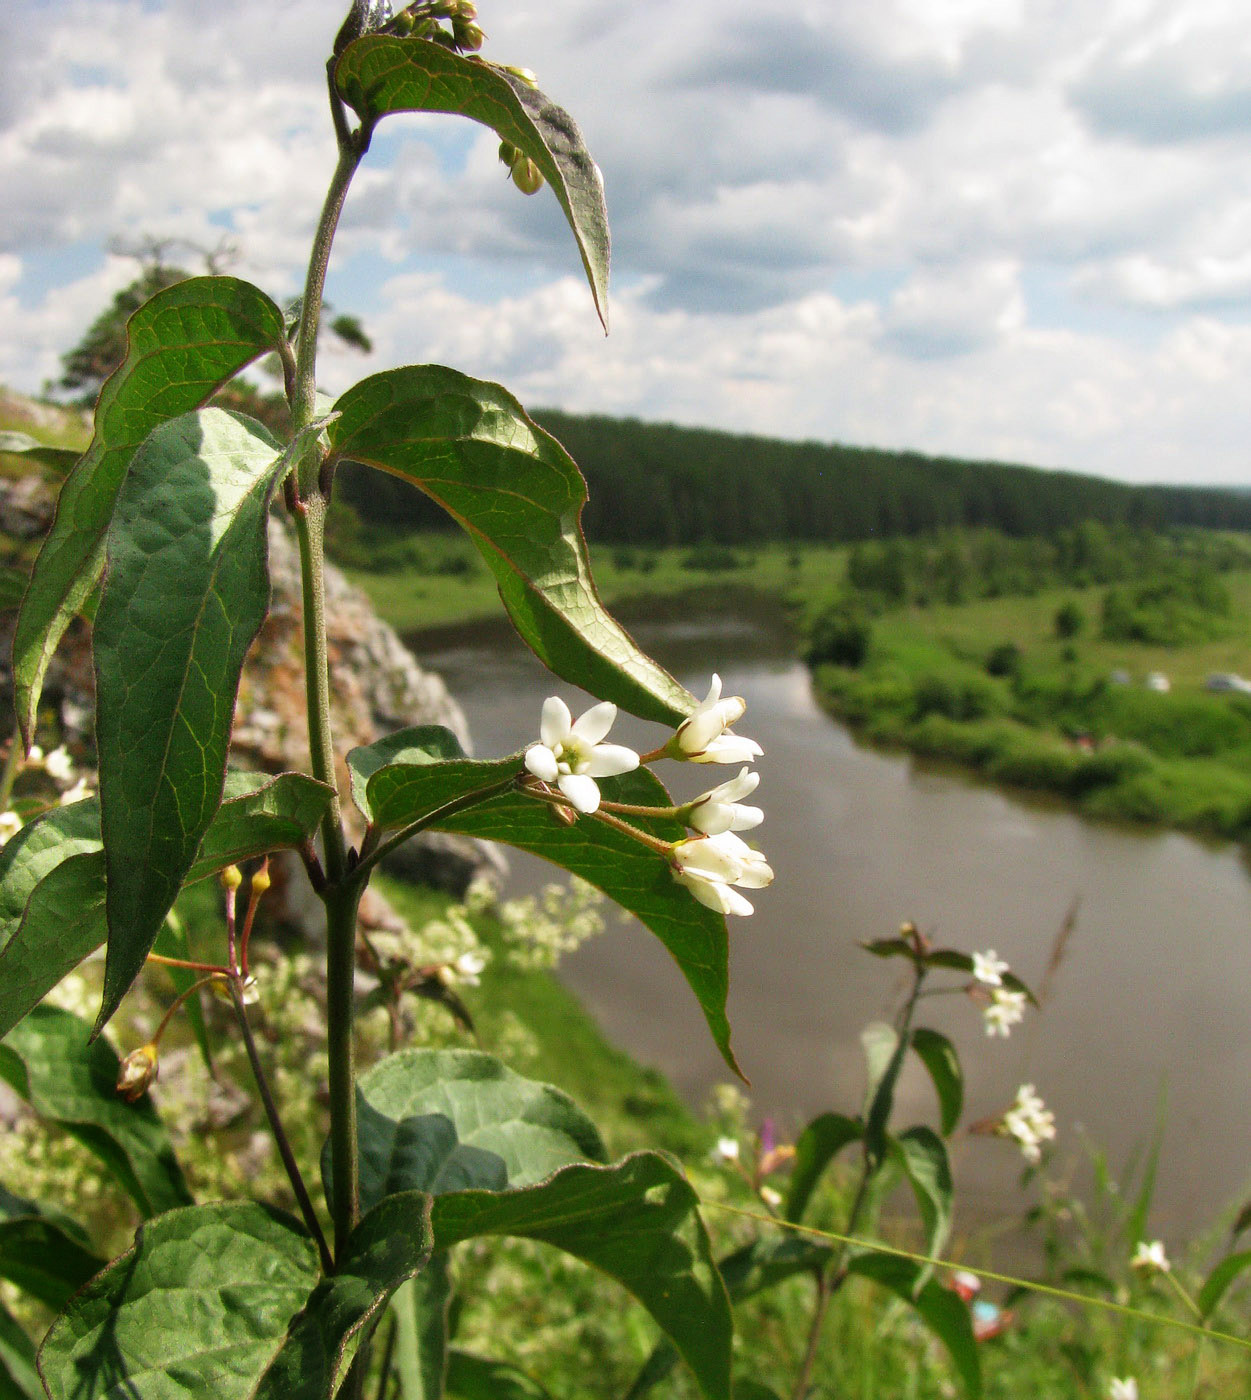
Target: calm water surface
[1153, 995]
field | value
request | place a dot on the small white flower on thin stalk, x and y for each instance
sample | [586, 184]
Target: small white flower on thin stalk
[710, 866]
[1030, 1122]
[1151, 1258]
[988, 968]
[59, 765]
[467, 969]
[10, 825]
[1006, 1009]
[702, 736]
[726, 1150]
[720, 810]
[1126, 1389]
[570, 755]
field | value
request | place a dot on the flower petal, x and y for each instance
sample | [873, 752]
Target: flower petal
[557, 723]
[580, 789]
[607, 760]
[596, 722]
[541, 761]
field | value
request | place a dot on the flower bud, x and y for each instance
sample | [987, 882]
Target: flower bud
[508, 153]
[231, 878]
[137, 1071]
[261, 881]
[527, 176]
[468, 36]
[525, 75]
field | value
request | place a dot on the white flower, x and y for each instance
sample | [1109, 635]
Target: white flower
[35, 756]
[468, 968]
[702, 736]
[1150, 1257]
[77, 793]
[719, 809]
[771, 1198]
[569, 753]
[1126, 1389]
[988, 968]
[710, 865]
[726, 1150]
[1006, 1010]
[59, 765]
[1030, 1122]
[10, 825]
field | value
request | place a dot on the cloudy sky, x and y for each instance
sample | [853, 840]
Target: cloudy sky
[1015, 229]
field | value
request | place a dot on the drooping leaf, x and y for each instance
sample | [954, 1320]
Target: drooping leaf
[627, 872]
[884, 1052]
[182, 346]
[43, 1252]
[939, 1057]
[52, 876]
[470, 447]
[381, 74]
[448, 1120]
[389, 1245]
[18, 1377]
[414, 772]
[199, 1306]
[472, 1377]
[60, 459]
[923, 1156]
[1217, 1283]
[67, 1078]
[941, 1309]
[819, 1143]
[185, 593]
[420, 1310]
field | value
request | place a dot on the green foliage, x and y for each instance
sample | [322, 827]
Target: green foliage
[42, 1251]
[840, 635]
[1070, 621]
[1178, 608]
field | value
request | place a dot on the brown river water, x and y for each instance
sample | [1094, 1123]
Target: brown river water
[1152, 997]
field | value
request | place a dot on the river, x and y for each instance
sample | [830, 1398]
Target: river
[1150, 998]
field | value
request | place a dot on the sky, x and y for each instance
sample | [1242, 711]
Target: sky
[1008, 229]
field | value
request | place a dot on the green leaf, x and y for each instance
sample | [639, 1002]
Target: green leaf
[893, 948]
[884, 1052]
[182, 346]
[199, 1306]
[69, 1079]
[1218, 1281]
[628, 873]
[819, 1143]
[185, 593]
[923, 1156]
[954, 961]
[13, 583]
[472, 1377]
[43, 1252]
[939, 1308]
[52, 876]
[389, 1245]
[754, 1390]
[18, 1377]
[60, 459]
[638, 1222]
[420, 1310]
[447, 1120]
[414, 772]
[382, 74]
[939, 1057]
[470, 447]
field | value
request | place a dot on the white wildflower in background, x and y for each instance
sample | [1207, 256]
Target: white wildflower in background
[988, 968]
[702, 736]
[77, 793]
[709, 866]
[570, 755]
[1030, 1122]
[1151, 1258]
[771, 1198]
[59, 765]
[726, 1150]
[1126, 1389]
[1006, 1009]
[10, 825]
[467, 969]
[720, 810]
[537, 933]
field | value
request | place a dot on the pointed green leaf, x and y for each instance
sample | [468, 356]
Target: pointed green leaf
[420, 1310]
[52, 876]
[819, 1143]
[382, 74]
[1217, 1283]
[182, 346]
[472, 1377]
[43, 1252]
[939, 1057]
[626, 871]
[50, 1062]
[60, 459]
[199, 1306]
[18, 1378]
[389, 1245]
[446, 1120]
[923, 1156]
[185, 593]
[883, 1057]
[939, 1308]
[469, 446]
[413, 772]
[955, 961]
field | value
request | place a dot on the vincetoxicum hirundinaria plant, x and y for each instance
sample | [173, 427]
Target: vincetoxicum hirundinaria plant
[164, 521]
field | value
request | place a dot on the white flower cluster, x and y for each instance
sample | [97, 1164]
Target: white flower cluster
[1005, 1010]
[1030, 1122]
[715, 863]
[1150, 1258]
[539, 931]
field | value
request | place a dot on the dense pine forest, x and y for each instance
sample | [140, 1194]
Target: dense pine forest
[657, 484]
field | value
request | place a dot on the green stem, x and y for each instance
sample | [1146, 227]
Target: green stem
[12, 766]
[372, 855]
[341, 902]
